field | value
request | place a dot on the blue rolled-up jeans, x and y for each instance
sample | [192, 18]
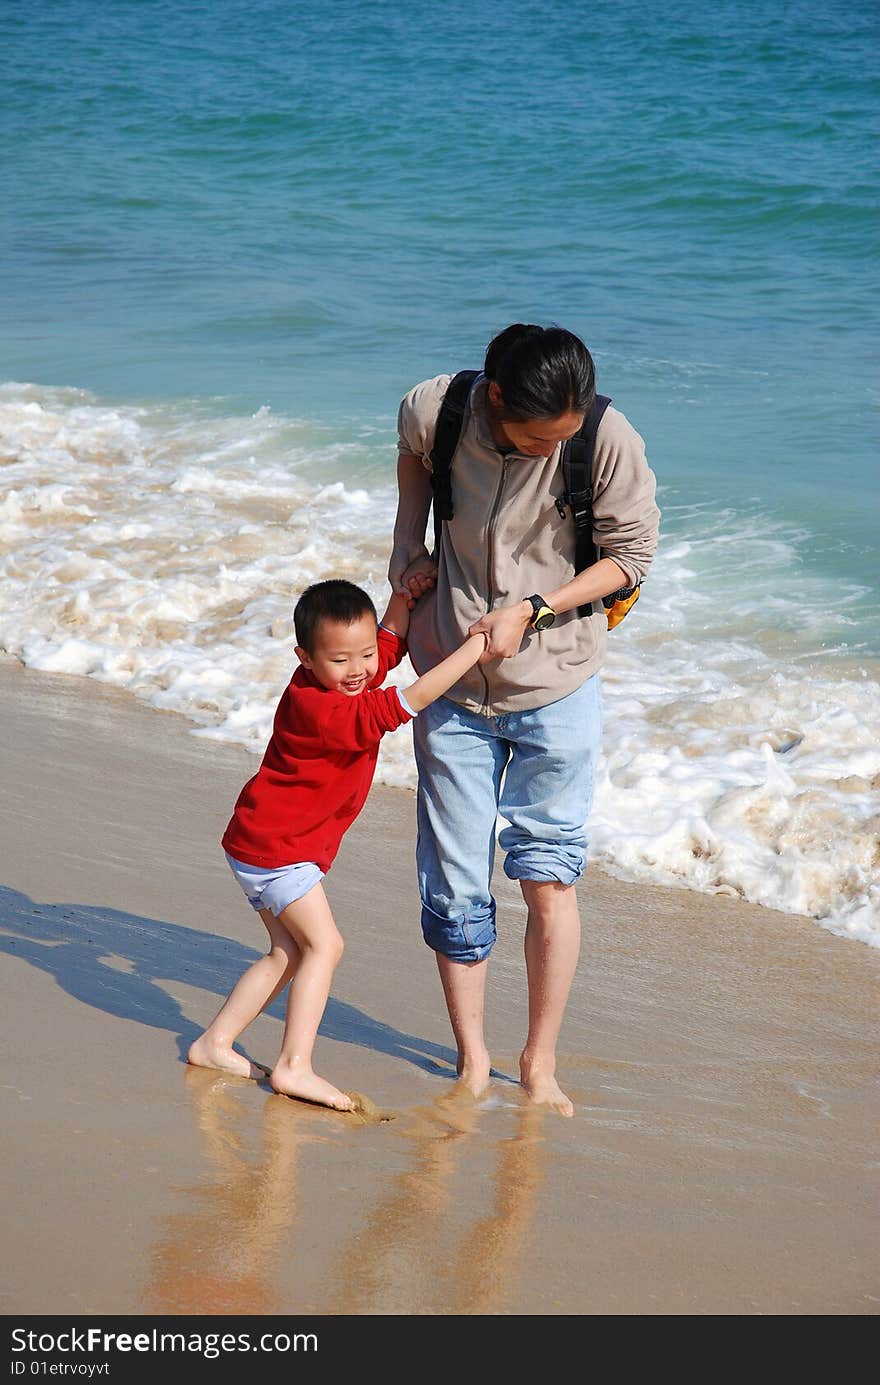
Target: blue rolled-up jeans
[537, 770]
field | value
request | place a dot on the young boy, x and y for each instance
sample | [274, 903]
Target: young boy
[290, 818]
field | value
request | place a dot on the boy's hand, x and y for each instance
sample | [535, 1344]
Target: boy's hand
[403, 564]
[414, 586]
[419, 583]
[419, 577]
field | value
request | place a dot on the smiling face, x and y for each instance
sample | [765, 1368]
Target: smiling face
[533, 437]
[344, 657]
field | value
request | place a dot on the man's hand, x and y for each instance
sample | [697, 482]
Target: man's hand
[408, 563]
[504, 629]
[421, 581]
[419, 577]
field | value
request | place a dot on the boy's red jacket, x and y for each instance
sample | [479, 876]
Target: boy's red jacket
[317, 769]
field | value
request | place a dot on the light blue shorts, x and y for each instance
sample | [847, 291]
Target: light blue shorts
[275, 888]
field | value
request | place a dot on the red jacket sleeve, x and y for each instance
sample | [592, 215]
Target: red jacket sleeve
[391, 650]
[350, 723]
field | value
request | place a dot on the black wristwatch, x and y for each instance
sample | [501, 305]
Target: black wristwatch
[543, 615]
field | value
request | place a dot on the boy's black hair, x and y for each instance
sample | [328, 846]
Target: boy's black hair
[334, 599]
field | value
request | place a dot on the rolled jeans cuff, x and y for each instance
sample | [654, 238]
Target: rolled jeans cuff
[469, 937]
[546, 863]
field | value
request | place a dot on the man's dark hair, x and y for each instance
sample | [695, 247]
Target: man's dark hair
[542, 372]
[334, 599]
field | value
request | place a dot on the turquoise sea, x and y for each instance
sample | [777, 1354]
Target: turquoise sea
[234, 234]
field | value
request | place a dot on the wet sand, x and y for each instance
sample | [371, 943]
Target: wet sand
[723, 1059]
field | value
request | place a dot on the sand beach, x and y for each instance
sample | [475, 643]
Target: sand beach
[722, 1058]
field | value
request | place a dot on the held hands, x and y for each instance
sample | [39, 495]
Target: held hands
[414, 581]
[504, 630]
[418, 578]
[407, 564]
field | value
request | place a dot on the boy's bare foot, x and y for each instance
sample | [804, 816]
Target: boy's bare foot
[543, 1088]
[203, 1054]
[308, 1086]
[473, 1073]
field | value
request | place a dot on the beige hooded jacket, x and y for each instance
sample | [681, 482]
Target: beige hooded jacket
[507, 540]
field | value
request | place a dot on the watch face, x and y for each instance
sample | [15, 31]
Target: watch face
[544, 618]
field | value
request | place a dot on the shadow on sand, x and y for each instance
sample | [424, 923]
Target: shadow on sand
[118, 963]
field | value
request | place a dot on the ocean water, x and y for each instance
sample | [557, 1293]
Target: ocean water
[233, 235]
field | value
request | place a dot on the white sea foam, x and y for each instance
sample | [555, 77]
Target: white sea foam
[162, 550]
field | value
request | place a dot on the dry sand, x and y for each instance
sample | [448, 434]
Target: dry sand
[722, 1057]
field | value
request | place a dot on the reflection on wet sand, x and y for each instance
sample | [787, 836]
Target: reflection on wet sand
[218, 1256]
[419, 1251]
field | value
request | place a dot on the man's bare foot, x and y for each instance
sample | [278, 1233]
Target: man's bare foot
[203, 1054]
[308, 1086]
[473, 1073]
[543, 1088]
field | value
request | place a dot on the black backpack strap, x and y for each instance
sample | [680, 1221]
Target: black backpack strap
[577, 473]
[449, 421]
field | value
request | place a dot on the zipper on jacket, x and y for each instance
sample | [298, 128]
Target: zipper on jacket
[496, 504]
